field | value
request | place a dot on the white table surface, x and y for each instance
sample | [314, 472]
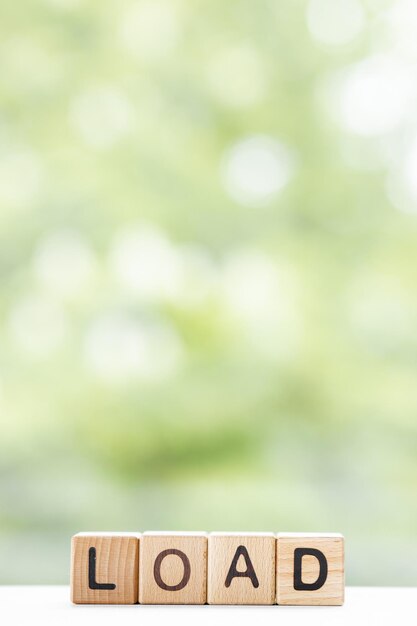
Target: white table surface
[367, 606]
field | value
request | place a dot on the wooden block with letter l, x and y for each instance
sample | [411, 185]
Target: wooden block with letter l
[173, 568]
[104, 568]
[310, 569]
[241, 568]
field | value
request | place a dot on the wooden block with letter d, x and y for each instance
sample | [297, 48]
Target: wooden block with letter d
[310, 569]
[241, 568]
[104, 568]
[173, 568]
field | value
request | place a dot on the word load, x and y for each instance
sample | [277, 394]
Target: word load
[207, 568]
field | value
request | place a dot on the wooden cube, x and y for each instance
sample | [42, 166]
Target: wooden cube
[104, 568]
[173, 568]
[310, 569]
[241, 568]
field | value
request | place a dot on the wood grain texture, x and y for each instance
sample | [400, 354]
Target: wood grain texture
[332, 590]
[116, 562]
[173, 568]
[228, 555]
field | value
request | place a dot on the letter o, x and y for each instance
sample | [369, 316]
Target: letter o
[157, 570]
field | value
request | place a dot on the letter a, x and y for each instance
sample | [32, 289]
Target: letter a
[248, 573]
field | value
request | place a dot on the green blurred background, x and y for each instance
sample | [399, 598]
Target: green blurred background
[208, 274]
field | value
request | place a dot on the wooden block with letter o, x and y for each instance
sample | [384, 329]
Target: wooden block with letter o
[104, 568]
[241, 568]
[173, 568]
[310, 569]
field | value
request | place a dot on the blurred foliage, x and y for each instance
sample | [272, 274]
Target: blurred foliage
[208, 284]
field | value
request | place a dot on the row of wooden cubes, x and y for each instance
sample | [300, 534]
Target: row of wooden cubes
[200, 568]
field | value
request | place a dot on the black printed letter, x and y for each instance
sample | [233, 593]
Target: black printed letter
[157, 570]
[92, 573]
[248, 573]
[322, 577]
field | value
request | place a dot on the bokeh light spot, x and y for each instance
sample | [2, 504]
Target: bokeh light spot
[237, 76]
[101, 116]
[335, 22]
[256, 169]
[64, 263]
[120, 349]
[375, 96]
[150, 30]
[146, 263]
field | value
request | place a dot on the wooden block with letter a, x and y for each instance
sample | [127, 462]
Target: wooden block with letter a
[173, 568]
[104, 568]
[241, 568]
[310, 569]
